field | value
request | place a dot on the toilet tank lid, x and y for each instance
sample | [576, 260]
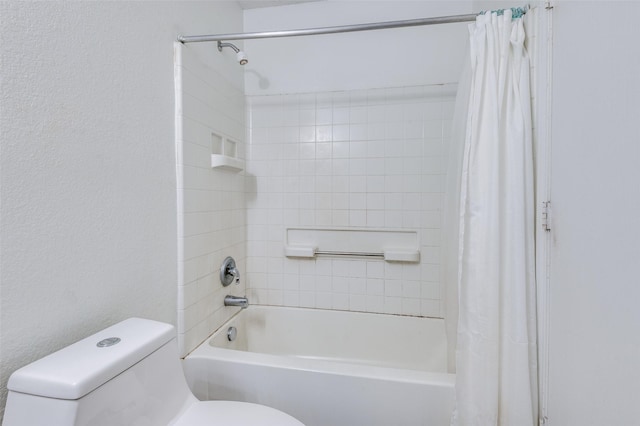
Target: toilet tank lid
[76, 370]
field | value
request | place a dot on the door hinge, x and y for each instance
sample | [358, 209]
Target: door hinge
[546, 216]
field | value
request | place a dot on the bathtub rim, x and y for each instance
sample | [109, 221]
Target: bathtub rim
[206, 351]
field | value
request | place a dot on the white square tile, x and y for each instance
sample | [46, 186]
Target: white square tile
[357, 286]
[323, 150]
[324, 133]
[375, 269]
[357, 149]
[340, 301]
[393, 218]
[340, 268]
[341, 115]
[394, 166]
[374, 303]
[375, 286]
[340, 284]
[307, 151]
[323, 283]
[324, 116]
[411, 289]
[307, 134]
[357, 302]
[375, 166]
[307, 117]
[324, 167]
[291, 298]
[375, 218]
[340, 201]
[375, 183]
[357, 218]
[358, 132]
[274, 297]
[290, 282]
[358, 114]
[393, 288]
[340, 184]
[324, 184]
[307, 299]
[340, 148]
[430, 291]
[307, 283]
[357, 184]
[411, 306]
[324, 300]
[430, 308]
[375, 201]
[340, 218]
[393, 305]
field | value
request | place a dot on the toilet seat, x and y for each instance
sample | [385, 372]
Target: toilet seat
[208, 413]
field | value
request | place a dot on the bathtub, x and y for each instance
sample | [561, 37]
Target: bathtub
[329, 368]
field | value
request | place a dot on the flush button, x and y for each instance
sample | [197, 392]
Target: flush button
[108, 342]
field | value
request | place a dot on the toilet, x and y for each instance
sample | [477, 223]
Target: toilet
[128, 374]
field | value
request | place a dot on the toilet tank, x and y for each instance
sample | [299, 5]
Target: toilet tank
[127, 374]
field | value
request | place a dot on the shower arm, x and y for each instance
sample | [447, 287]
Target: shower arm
[328, 30]
[232, 46]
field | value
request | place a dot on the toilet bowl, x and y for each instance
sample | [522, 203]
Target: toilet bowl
[127, 374]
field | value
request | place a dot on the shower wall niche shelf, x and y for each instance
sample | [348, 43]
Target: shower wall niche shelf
[389, 245]
[225, 154]
[223, 162]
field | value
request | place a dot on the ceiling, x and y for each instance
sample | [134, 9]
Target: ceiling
[253, 4]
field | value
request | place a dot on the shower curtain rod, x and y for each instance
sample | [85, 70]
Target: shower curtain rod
[330, 30]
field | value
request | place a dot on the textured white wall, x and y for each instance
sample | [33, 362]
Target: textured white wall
[88, 213]
[364, 60]
[594, 346]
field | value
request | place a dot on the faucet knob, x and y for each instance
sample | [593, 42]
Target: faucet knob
[229, 272]
[236, 274]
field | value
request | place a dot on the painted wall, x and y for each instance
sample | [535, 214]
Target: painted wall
[594, 318]
[359, 159]
[373, 59]
[210, 114]
[88, 213]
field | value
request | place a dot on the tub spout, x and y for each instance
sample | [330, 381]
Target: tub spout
[229, 300]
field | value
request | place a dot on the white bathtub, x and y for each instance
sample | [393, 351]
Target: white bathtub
[329, 368]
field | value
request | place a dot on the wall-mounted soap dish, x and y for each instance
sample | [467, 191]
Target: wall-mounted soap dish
[226, 163]
[225, 154]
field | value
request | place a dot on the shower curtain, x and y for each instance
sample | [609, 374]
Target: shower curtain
[496, 357]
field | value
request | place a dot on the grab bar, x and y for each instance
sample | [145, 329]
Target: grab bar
[388, 255]
[348, 253]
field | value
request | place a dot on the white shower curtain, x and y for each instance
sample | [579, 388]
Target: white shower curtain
[496, 382]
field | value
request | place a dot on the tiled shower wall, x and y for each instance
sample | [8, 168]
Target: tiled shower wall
[211, 202]
[352, 159]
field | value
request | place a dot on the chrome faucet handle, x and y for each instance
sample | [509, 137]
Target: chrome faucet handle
[229, 272]
[236, 274]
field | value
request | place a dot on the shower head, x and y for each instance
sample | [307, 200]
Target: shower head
[241, 57]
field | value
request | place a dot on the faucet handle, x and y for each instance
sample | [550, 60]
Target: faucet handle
[229, 272]
[236, 274]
